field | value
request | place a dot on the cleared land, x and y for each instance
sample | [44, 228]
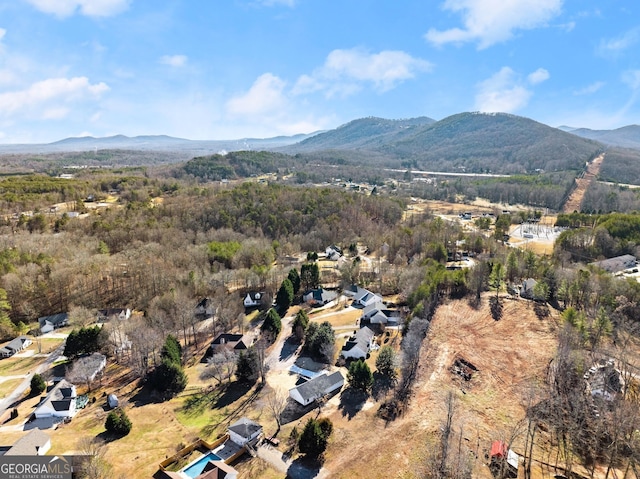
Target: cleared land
[574, 201]
[510, 354]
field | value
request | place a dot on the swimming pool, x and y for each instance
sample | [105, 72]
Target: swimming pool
[196, 468]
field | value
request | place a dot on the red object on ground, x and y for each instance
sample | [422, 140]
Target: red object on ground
[499, 449]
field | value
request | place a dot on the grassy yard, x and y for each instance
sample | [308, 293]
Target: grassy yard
[49, 344]
[17, 366]
[6, 387]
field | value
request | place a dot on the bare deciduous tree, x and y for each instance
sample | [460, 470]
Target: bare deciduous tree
[276, 400]
[221, 366]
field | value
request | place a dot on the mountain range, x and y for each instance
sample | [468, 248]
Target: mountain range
[469, 142]
[152, 143]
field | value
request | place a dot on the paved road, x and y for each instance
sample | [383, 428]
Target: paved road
[26, 384]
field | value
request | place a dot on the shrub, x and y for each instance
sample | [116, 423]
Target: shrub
[118, 423]
[37, 385]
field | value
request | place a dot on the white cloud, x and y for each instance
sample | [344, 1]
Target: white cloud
[538, 76]
[265, 95]
[49, 99]
[90, 8]
[346, 71]
[617, 45]
[503, 92]
[175, 61]
[494, 21]
[590, 89]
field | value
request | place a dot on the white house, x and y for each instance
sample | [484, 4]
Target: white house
[333, 253]
[109, 314]
[358, 346]
[34, 443]
[317, 387]
[55, 321]
[59, 402]
[363, 298]
[378, 314]
[15, 346]
[253, 299]
[244, 431]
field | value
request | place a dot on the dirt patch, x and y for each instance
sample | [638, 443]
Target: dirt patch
[509, 356]
[574, 201]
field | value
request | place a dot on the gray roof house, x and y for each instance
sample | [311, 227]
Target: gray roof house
[91, 365]
[244, 431]
[55, 321]
[317, 387]
[319, 296]
[378, 314]
[15, 346]
[358, 346]
[363, 298]
[34, 443]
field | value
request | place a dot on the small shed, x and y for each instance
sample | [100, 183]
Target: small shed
[112, 401]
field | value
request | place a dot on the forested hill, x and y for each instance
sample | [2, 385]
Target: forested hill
[364, 133]
[626, 137]
[466, 142]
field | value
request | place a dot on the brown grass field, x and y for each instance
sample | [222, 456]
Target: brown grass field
[511, 354]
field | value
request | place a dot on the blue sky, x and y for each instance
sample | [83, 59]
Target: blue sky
[227, 69]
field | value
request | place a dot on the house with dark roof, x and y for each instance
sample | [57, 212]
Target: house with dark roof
[60, 402]
[244, 431]
[218, 470]
[34, 443]
[15, 346]
[359, 345]
[236, 342]
[253, 299]
[319, 297]
[55, 321]
[110, 314]
[617, 264]
[316, 388]
[205, 308]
